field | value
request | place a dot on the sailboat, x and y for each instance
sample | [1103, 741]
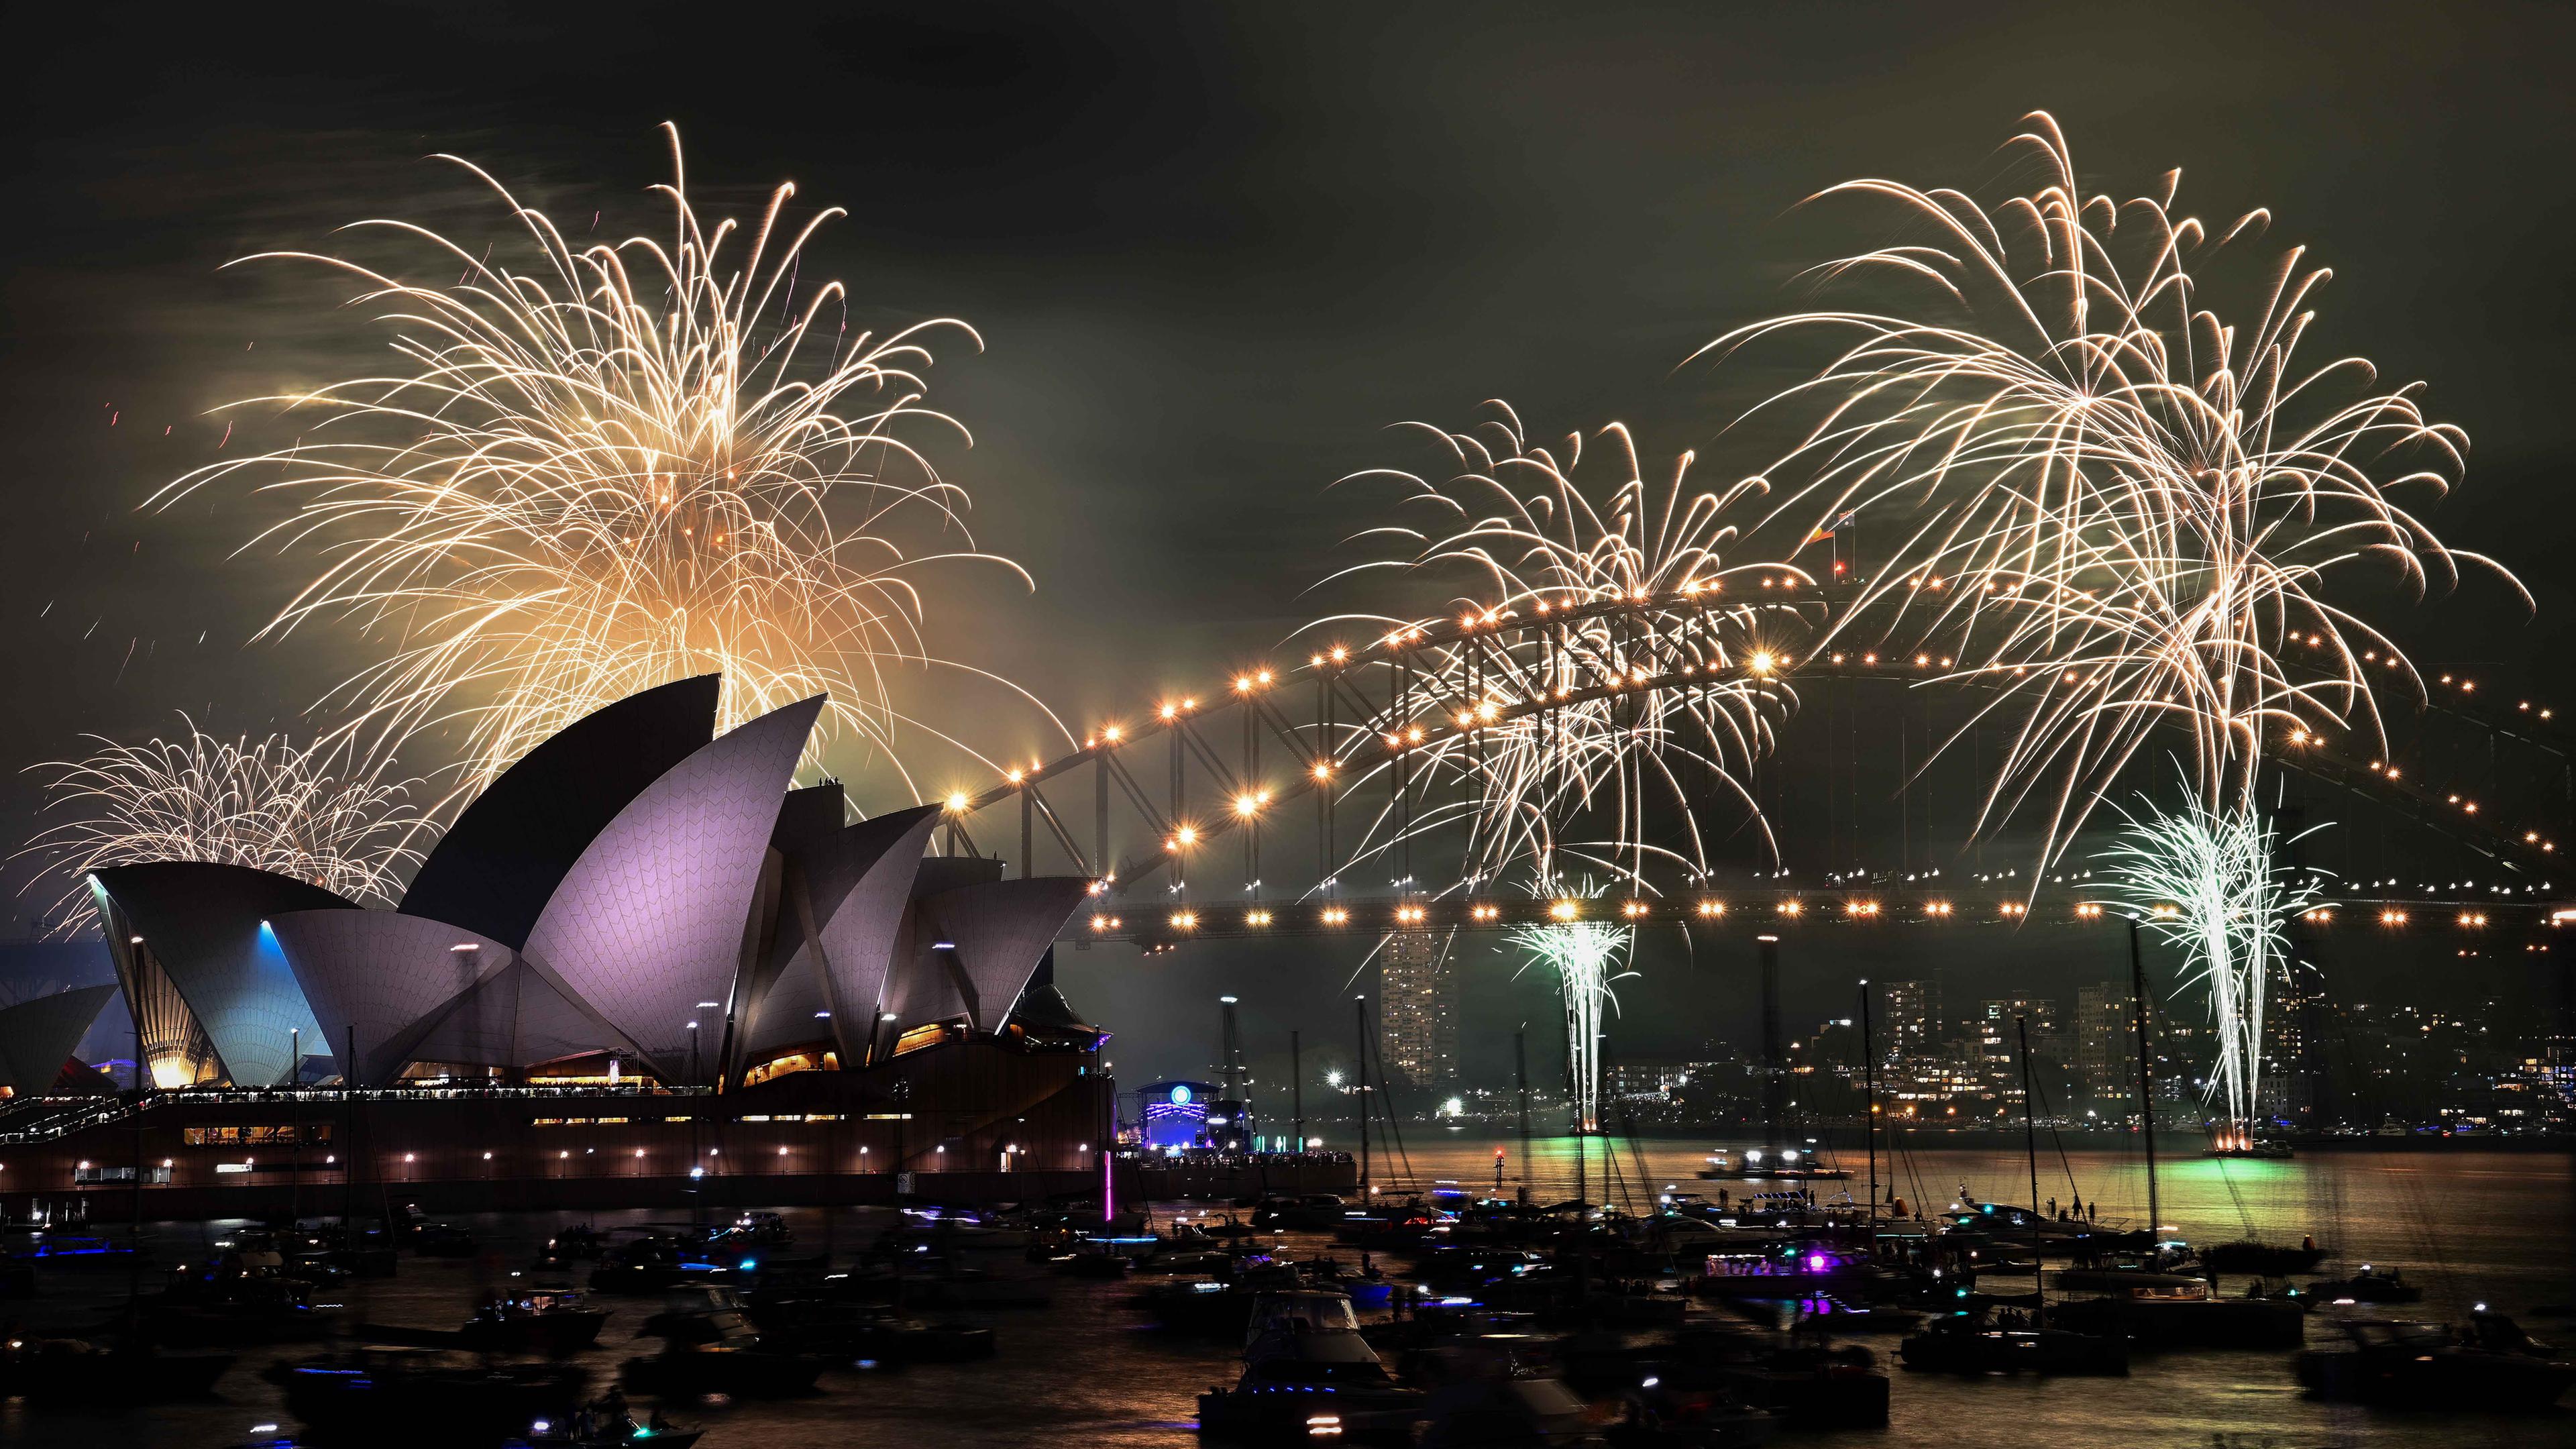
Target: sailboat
[1965, 1343]
[2135, 1299]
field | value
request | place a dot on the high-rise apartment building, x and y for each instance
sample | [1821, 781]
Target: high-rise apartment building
[1418, 1009]
[1909, 1015]
[2106, 1048]
[1999, 1039]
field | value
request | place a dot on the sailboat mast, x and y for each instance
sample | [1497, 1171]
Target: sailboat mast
[2030, 1148]
[1297, 1093]
[1359, 1012]
[2146, 1084]
[1520, 1078]
[1869, 1105]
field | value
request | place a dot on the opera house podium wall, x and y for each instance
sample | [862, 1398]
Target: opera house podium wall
[975, 1119]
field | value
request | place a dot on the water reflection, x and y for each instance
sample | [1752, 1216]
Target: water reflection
[2470, 1225]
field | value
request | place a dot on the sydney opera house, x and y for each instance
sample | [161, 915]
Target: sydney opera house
[639, 954]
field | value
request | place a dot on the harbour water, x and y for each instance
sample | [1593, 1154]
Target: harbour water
[2470, 1225]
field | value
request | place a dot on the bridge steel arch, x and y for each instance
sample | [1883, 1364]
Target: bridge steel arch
[1373, 725]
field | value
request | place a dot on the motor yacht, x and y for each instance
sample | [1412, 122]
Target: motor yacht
[2420, 1365]
[2370, 1285]
[1307, 1373]
[2173, 1310]
[551, 1321]
[1963, 1343]
[1789, 1164]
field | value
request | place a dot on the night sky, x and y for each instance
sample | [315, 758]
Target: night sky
[1214, 252]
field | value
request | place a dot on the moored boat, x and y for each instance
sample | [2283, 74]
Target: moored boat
[2370, 1285]
[854, 1331]
[1805, 1269]
[2262, 1260]
[377, 1396]
[73, 1250]
[548, 1321]
[606, 1423]
[1307, 1373]
[1787, 1164]
[715, 1350]
[652, 1263]
[2173, 1310]
[1962, 1344]
[78, 1373]
[2419, 1365]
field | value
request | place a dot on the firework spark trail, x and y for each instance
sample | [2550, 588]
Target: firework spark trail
[1585, 956]
[2124, 510]
[614, 467]
[270, 804]
[2206, 880]
[1541, 538]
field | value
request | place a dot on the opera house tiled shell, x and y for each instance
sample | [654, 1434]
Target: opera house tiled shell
[37, 1037]
[631, 890]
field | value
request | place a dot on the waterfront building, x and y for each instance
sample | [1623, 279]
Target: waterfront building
[1999, 1040]
[1418, 1009]
[2106, 1041]
[1644, 1080]
[1909, 1013]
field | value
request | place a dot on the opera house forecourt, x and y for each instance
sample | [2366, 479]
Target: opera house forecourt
[640, 964]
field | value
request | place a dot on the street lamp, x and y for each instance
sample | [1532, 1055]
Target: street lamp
[697, 1168]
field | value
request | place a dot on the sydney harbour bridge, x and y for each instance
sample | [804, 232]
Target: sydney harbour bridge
[1327, 794]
